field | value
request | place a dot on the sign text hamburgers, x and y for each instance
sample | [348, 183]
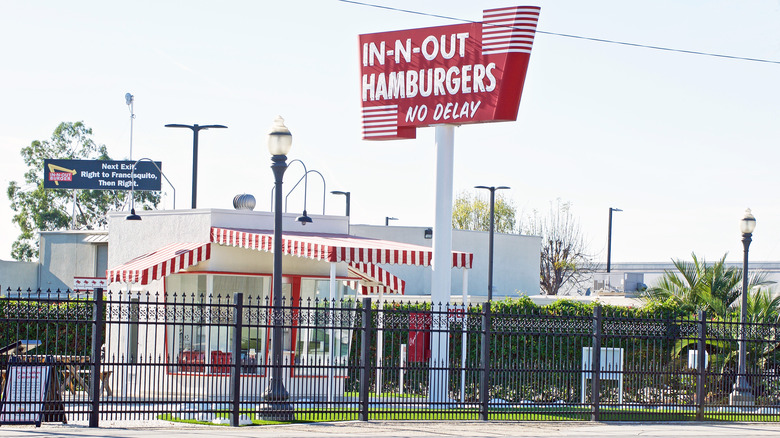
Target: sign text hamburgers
[464, 73]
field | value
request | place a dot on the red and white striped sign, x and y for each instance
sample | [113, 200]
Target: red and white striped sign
[457, 74]
[165, 261]
[336, 247]
[88, 283]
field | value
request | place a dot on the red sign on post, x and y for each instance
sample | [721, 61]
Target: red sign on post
[464, 73]
[419, 349]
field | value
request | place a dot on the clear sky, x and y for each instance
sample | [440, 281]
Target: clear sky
[682, 143]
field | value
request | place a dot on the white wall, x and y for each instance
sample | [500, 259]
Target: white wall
[229, 259]
[18, 275]
[130, 239]
[515, 260]
[64, 255]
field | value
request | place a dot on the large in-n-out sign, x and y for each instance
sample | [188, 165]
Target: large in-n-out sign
[458, 74]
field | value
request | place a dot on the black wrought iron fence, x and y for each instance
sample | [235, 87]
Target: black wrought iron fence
[197, 357]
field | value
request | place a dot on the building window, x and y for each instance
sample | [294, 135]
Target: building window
[322, 327]
[200, 339]
[202, 332]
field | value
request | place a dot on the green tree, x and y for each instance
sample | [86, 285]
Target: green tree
[564, 260]
[472, 212]
[38, 209]
[763, 309]
[716, 288]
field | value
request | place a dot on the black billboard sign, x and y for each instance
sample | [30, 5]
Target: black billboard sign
[101, 175]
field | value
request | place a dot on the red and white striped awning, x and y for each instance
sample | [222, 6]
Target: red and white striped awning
[336, 247]
[375, 279]
[165, 261]
[362, 255]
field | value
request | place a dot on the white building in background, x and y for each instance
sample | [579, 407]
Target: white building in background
[632, 278]
[515, 261]
[78, 260]
[68, 261]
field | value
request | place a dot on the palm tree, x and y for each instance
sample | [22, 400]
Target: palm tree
[763, 309]
[698, 286]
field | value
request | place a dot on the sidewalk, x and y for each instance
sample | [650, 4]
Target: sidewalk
[356, 429]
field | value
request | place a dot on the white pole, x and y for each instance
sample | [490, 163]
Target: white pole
[441, 278]
[209, 295]
[132, 116]
[380, 344]
[73, 217]
[402, 369]
[464, 341]
[129, 99]
[330, 338]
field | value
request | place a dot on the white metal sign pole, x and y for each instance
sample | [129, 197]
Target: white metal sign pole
[332, 319]
[441, 279]
[464, 338]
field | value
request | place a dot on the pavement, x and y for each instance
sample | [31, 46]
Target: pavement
[357, 429]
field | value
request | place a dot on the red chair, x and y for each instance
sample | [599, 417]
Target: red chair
[192, 361]
[221, 358]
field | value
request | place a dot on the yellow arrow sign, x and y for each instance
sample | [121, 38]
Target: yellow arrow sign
[55, 168]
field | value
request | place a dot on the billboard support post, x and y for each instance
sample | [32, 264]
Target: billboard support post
[73, 216]
[441, 278]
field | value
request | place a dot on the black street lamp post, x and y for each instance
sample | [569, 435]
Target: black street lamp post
[133, 216]
[609, 238]
[491, 233]
[388, 219]
[195, 129]
[276, 396]
[346, 195]
[741, 394]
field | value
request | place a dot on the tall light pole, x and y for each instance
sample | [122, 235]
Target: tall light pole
[276, 396]
[388, 219]
[609, 238]
[195, 129]
[741, 394]
[346, 195]
[492, 232]
[129, 99]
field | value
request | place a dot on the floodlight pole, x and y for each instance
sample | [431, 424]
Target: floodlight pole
[195, 129]
[491, 233]
[609, 239]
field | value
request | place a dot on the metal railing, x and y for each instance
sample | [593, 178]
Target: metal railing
[191, 356]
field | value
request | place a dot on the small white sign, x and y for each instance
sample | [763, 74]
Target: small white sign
[24, 394]
[693, 359]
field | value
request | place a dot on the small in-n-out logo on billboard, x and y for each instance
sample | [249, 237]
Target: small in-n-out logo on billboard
[60, 176]
[463, 73]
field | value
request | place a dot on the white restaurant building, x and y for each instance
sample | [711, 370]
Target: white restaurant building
[208, 254]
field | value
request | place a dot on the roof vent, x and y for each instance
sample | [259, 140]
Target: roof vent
[244, 201]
